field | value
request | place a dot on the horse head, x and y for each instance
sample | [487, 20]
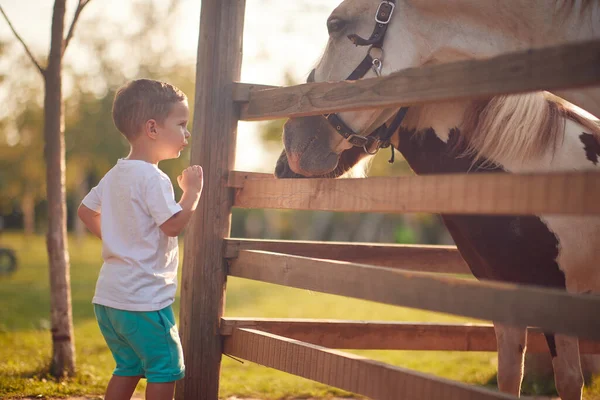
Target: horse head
[359, 35]
[370, 38]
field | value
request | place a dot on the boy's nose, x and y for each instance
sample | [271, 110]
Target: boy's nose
[187, 134]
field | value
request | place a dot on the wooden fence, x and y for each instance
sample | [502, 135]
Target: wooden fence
[392, 274]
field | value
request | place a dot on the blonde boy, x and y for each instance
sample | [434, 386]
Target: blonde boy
[134, 212]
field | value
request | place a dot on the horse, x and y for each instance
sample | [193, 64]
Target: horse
[532, 132]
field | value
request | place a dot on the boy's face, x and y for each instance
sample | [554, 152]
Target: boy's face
[172, 133]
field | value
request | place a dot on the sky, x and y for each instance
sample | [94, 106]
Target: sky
[279, 36]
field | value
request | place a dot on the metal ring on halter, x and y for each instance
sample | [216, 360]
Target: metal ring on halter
[377, 60]
[377, 66]
[371, 152]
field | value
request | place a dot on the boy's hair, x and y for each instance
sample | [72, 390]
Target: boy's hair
[141, 100]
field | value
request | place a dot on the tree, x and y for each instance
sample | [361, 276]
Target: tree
[63, 341]
[92, 143]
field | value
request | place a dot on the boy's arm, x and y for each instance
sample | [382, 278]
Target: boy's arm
[91, 219]
[177, 223]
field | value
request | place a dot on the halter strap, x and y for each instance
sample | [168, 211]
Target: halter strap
[383, 16]
[381, 136]
[362, 69]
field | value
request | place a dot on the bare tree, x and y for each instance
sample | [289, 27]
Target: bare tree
[63, 341]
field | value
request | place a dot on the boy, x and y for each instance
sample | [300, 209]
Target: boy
[134, 212]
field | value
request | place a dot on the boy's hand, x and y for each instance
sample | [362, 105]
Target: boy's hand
[191, 182]
[191, 179]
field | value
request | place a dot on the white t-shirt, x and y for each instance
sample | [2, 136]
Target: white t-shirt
[140, 261]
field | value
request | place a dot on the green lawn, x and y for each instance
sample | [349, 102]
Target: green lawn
[25, 345]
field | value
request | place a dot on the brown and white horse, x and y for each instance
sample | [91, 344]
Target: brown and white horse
[531, 132]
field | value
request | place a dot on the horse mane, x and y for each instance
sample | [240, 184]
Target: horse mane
[568, 6]
[521, 126]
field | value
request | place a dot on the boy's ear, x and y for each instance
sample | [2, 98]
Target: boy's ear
[150, 129]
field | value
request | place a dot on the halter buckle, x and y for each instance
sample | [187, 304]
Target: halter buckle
[384, 12]
[358, 140]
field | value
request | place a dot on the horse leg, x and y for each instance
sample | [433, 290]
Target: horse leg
[568, 375]
[567, 367]
[512, 343]
[577, 261]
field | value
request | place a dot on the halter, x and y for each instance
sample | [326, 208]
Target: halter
[380, 137]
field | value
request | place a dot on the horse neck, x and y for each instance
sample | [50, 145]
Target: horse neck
[442, 117]
[483, 28]
[427, 133]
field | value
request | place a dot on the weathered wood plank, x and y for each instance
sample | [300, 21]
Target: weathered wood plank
[444, 259]
[238, 179]
[559, 67]
[552, 310]
[213, 147]
[485, 193]
[384, 335]
[350, 372]
[241, 91]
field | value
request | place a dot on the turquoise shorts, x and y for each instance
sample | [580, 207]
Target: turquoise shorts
[143, 343]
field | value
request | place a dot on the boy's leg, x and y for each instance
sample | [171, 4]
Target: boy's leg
[160, 391]
[129, 369]
[158, 345]
[121, 387]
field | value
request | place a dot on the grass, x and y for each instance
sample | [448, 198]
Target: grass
[25, 346]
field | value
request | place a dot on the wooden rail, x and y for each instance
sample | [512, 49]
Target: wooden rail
[350, 372]
[384, 335]
[443, 259]
[561, 67]
[553, 310]
[482, 193]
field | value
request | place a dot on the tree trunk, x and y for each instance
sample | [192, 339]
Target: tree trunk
[63, 354]
[28, 209]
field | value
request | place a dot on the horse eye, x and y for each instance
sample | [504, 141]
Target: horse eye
[335, 25]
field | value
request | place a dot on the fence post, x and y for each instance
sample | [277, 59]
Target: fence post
[213, 146]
